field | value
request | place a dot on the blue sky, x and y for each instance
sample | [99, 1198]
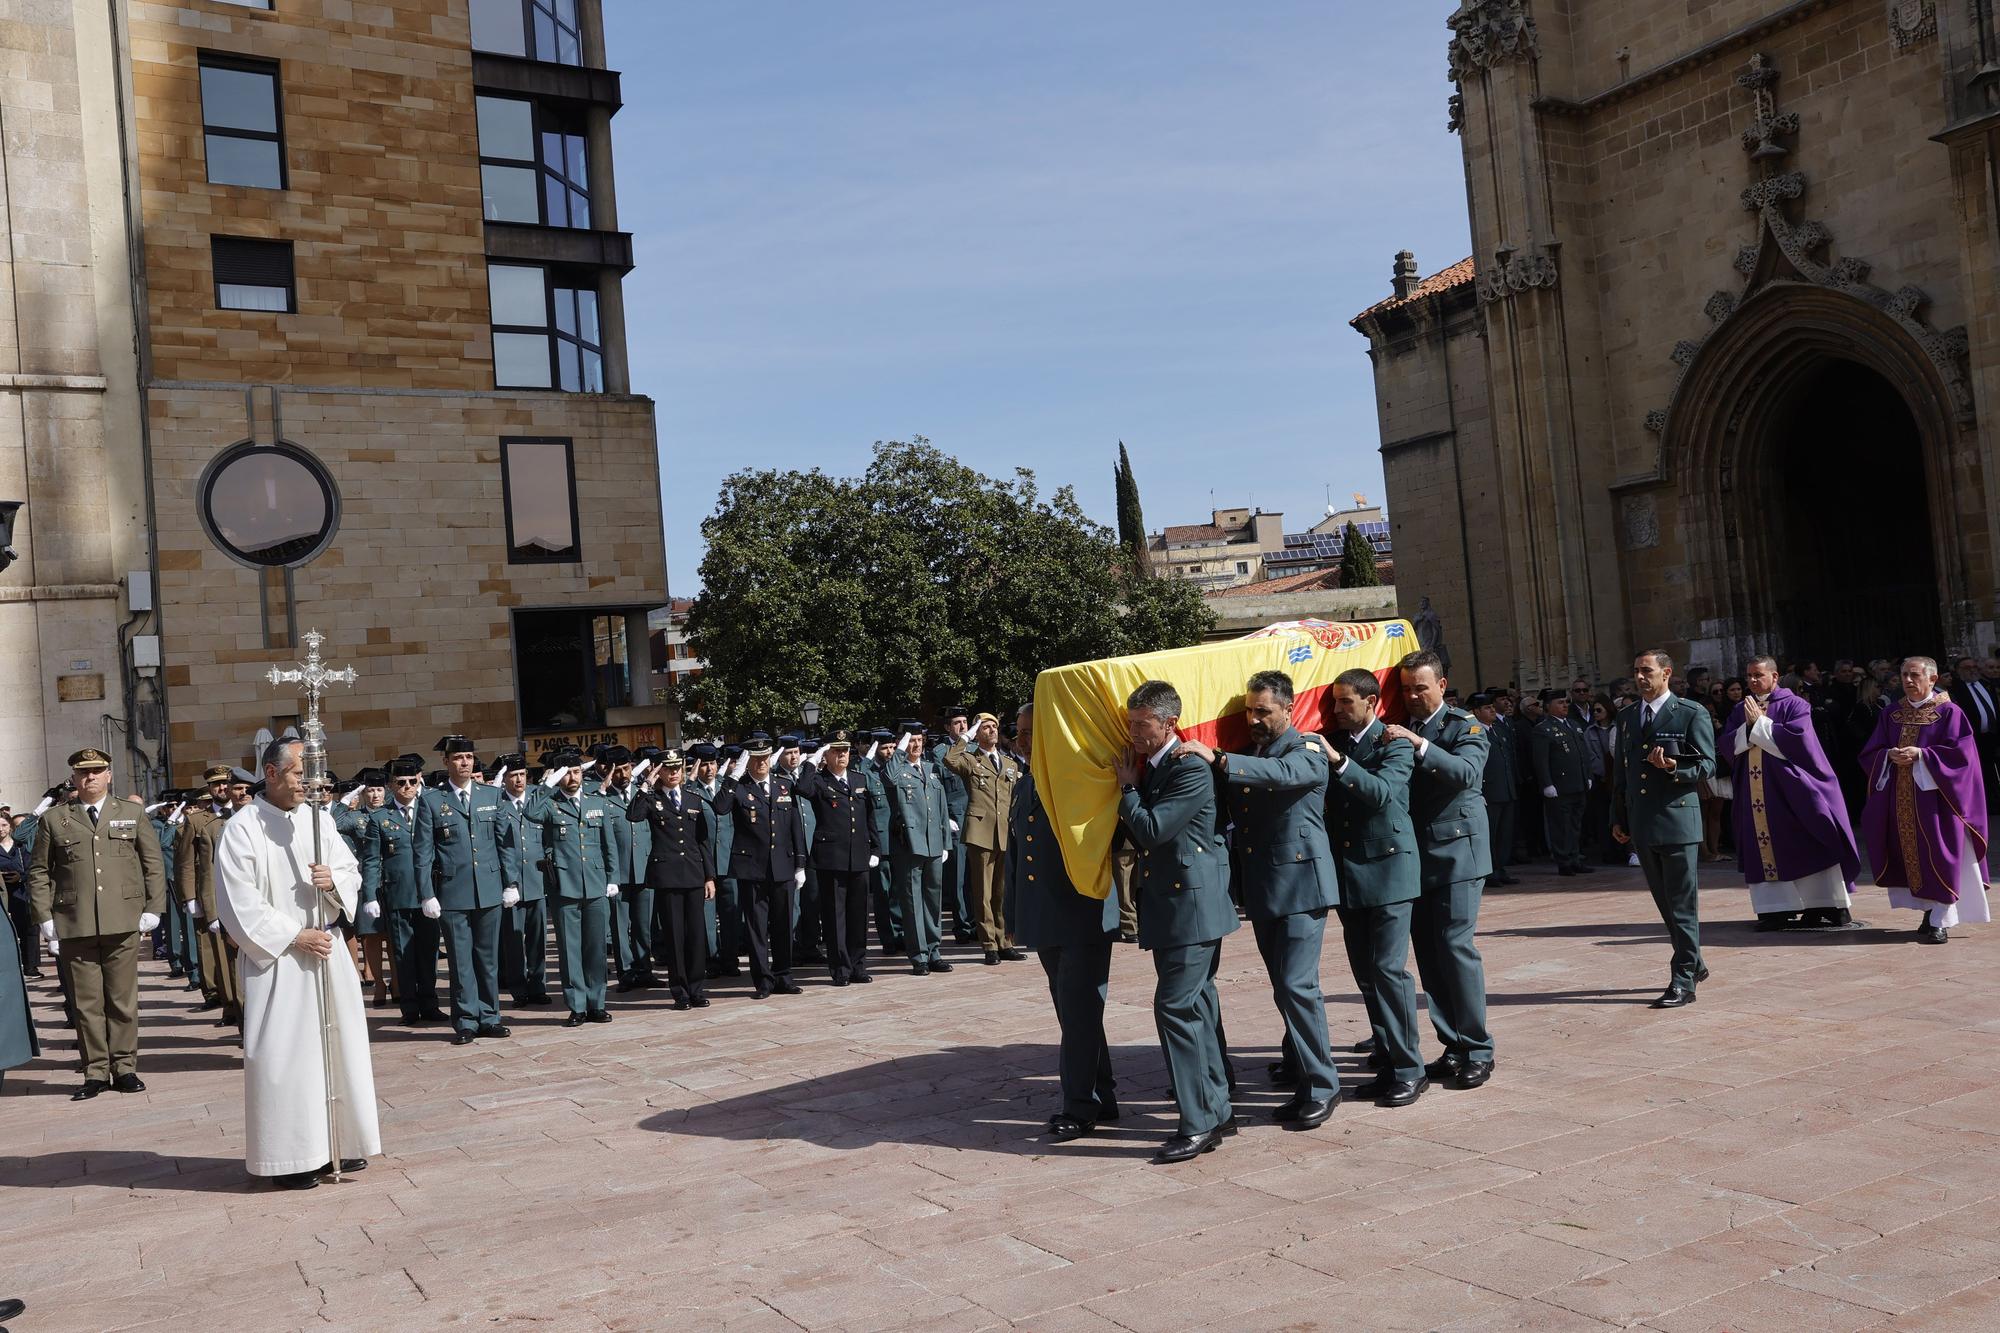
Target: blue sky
[1026, 230]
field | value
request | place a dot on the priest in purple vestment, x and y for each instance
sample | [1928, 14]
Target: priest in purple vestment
[1793, 842]
[1926, 816]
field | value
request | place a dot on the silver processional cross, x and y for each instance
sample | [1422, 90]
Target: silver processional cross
[315, 675]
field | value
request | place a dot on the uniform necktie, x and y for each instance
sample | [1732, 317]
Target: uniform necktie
[1645, 717]
[465, 801]
[93, 816]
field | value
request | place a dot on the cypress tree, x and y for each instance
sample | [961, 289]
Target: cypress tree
[1357, 560]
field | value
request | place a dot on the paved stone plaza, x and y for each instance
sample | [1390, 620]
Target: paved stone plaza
[1816, 1144]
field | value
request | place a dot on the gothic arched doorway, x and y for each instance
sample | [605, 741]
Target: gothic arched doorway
[1816, 450]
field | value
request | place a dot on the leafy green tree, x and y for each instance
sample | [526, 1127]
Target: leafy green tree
[1357, 560]
[920, 584]
[1131, 519]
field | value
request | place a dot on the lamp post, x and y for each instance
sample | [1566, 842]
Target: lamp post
[809, 714]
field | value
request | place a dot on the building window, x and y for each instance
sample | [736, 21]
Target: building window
[253, 275]
[246, 4]
[1242, 566]
[538, 486]
[522, 184]
[537, 29]
[545, 329]
[241, 134]
[268, 505]
[571, 668]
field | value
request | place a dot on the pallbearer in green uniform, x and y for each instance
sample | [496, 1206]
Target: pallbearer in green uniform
[1368, 822]
[882, 881]
[680, 872]
[1071, 934]
[1666, 748]
[1276, 794]
[524, 927]
[919, 838]
[1450, 818]
[1167, 806]
[389, 879]
[577, 852]
[1562, 771]
[96, 886]
[1497, 786]
[460, 833]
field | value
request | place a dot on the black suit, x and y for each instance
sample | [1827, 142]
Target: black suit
[768, 852]
[1981, 703]
[679, 868]
[844, 842]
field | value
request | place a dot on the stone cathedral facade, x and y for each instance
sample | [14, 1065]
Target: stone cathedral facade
[1723, 372]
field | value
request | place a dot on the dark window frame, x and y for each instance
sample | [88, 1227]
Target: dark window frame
[530, 10]
[575, 552]
[315, 468]
[555, 278]
[246, 65]
[291, 283]
[542, 121]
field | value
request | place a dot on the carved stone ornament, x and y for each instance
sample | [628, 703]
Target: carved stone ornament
[1912, 21]
[1796, 252]
[1454, 110]
[1513, 272]
[1638, 522]
[1486, 33]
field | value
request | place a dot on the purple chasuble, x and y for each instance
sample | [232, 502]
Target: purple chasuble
[1790, 819]
[1919, 840]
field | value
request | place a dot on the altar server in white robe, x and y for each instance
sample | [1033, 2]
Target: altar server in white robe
[266, 885]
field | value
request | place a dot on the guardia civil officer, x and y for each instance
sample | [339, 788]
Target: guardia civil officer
[680, 871]
[389, 878]
[524, 927]
[578, 853]
[767, 856]
[457, 855]
[1562, 768]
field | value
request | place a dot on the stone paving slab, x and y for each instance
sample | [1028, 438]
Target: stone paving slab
[1816, 1143]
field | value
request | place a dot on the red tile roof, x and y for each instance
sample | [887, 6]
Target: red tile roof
[1194, 532]
[1458, 275]
[1317, 580]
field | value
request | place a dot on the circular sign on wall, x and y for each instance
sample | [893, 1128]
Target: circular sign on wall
[268, 505]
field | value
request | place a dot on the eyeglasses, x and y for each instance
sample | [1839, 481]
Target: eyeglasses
[408, 782]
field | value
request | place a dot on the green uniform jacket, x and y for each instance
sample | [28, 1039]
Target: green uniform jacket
[1278, 803]
[878, 792]
[576, 840]
[1044, 908]
[389, 864]
[919, 819]
[96, 880]
[1445, 803]
[631, 842]
[1560, 760]
[534, 884]
[1181, 876]
[721, 829]
[1368, 820]
[1497, 787]
[168, 835]
[459, 857]
[1661, 809]
[989, 795]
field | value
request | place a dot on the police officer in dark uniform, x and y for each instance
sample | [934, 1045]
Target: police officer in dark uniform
[767, 857]
[1562, 768]
[680, 870]
[846, 846]
[1498, 787]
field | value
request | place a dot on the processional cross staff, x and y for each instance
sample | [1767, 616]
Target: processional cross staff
[315, 675]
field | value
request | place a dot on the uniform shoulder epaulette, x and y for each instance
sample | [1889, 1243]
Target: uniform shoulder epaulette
[1457, 712]
[1312, 744]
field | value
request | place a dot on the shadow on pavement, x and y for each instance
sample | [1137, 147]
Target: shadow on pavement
[128, 1170]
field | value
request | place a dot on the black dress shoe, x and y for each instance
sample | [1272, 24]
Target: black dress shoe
[862, 978]
[433, 1014]
[1128, 937]
[761, 993]
[12, 1309]
[464, 1038]
[940, 965]
[1305, 1113]
[1934, 935]
[175, 973]
[786, 986]
[1107, 1112]
[91, 1087]
[495, 1030]
[1363, 1047]
[1473, 1074]
[1769, 921]
[127, 1083]
[1281, 1074]
[299, 1180]
[628, 983]
[1187, 1147]
[701, 1001]
[597, 1016]
[1444, 1069]
[680, 1002]
[1063, 1128]
[1674, 997]
[201, 1008]
[348, 1166]
[1701, 974]
[992, 958]
[1012, 954]
[573, 1021]
[1581, 868]
[1565, 870]
[1387, 1091]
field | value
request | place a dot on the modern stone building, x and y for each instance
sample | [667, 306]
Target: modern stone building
[384, 372]
[71, 640]
[1721, 374]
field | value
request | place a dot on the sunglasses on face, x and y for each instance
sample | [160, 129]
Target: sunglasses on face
[408, 782]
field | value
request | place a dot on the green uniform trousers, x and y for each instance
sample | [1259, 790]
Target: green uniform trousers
[1377, 941]
[888, 907]
[1188, 1014]
[102, 973]
[1565, 819]
[1448, 963]
[414, 939]
[1079, 980]
[524, 951]
[920, 893]
[472, 948]
[1290, 946]
[581, 925]
[632, 929]
[1672, 876]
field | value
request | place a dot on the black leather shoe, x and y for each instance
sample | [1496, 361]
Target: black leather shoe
[1502, 881]
[1363, 1047]
[1580, 868]
[940, 965]
[1304, 1113]
[597, 1016]
[1063, 1128]
[1107, 1112]
[701, 1001]
[1444, 1069]
[1934, 935]
[1386, 1091]
[1674, 997]
[1012, 955]
[348, 1166]
[127, 1083]
[433, 1014]
[1700, 974]
[1187, 1147]
[862, 978]
[786, 986]
[1473, 1074]
[628, 983]
[574, 1021]
[992, 958]
[91, 1087]
[1281, 1074]
[920, 969]
[495, 1030]
[761, 993]
[680, 1002]
[12, 1309]
[302, 1180]
[175, 974]
[463, 1038]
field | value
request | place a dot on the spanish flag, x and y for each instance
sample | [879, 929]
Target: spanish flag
[1080, 715]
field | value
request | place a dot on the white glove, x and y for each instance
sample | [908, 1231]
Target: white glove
[353, 799]
[432, 909]
[553, 776]
[42, 809]
[215, 927]
[740, 767]
[589, 764]
[49, 931]
[194, 908]
[148, 923]
[639, 771]
[509, 897]
[371, 910]
[939, 858]
[1549, 791]
[953, 823]
[501, 776]
[819, 761]
[903, 743]
[611, 890]
[55, 949]
[874, 861]
[798, 879]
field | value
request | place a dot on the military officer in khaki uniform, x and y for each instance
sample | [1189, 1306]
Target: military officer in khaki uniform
[96, 883]
[194, 884]
[989, 774]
